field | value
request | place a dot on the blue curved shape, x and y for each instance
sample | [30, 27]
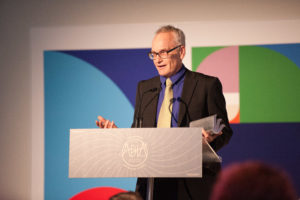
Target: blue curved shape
[75, 94]
[291, 51]
[126, 67]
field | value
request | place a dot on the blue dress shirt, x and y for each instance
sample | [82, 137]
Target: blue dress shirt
[177, 85]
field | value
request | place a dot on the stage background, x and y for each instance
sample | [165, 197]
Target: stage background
[21, 145]
[259, 84]
[80, 83]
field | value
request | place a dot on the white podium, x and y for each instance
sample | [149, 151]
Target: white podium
[138, 152]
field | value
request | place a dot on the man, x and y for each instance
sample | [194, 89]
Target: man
[190, 96]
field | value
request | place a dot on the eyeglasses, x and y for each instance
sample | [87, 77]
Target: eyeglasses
[162, 54]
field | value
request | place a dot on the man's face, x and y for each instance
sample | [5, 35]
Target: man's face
[172, 64]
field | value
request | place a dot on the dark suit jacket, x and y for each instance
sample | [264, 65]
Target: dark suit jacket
[202, 96]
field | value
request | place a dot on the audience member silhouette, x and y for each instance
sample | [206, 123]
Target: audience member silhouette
[127, 196]
[253, 180]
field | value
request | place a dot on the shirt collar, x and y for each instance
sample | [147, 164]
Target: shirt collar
[175, 78]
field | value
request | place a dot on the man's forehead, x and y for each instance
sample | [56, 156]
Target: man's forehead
[165, 36]
[163, 41]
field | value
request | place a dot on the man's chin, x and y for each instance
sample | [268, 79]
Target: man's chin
[162, 72]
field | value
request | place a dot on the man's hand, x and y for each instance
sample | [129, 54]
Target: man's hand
[104, 123]
[208, 136]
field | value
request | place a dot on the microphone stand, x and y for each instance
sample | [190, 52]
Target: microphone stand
[150, 188]
[138, 123]
[150, 181]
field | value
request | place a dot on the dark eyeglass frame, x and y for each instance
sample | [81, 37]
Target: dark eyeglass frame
[162, 54]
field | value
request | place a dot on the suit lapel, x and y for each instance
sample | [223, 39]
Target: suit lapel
[188, 89]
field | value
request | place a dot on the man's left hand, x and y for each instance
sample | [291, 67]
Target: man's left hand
[208, 136]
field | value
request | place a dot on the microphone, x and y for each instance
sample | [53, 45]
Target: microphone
[141, 115]
[139, 120]
[186, 108]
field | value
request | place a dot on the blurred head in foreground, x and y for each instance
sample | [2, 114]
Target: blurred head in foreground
[127, 196]
[255, 181]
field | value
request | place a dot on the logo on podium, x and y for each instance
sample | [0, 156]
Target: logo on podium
[134, 152]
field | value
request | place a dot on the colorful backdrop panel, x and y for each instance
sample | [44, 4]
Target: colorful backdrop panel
[260, 83]
[79, 86]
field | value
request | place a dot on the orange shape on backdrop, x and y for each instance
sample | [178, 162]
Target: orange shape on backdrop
[236, 119]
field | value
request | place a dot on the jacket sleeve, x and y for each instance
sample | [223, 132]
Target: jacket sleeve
[217, 105]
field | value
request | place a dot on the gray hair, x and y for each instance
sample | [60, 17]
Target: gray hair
[179, 35]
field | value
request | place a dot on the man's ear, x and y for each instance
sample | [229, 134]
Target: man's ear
[182, 52]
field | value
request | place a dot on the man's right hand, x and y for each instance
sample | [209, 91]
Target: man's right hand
[104, 123]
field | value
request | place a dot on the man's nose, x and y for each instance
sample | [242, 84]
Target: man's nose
[158, 59]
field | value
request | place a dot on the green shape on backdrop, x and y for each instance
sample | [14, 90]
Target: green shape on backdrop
[200, 53]
[269, 86]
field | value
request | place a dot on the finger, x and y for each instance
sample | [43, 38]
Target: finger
[208, 139]
[204, 133]
[114, 126]
[111, 124]
[106, 124]
[100, 124]
[101, 119]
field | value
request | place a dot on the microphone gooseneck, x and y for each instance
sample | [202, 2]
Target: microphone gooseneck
[172, 114]
[186, 108]
[139, 119]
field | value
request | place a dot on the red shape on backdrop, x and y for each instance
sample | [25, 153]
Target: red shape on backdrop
[98, 193]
